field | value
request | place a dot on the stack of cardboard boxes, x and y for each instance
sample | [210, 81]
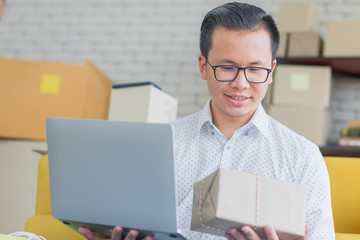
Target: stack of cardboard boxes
[300, 95]
[32, 91]
[299, 37]
[298, 24]
[300, 100]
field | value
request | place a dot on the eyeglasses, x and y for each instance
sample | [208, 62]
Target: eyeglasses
[228, 73]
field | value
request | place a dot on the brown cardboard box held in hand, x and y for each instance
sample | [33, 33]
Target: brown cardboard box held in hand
[229, 198]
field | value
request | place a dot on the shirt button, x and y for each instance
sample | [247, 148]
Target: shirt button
[228, 147]
[246, 134]
[212, 133]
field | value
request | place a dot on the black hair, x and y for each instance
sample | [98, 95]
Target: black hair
[237, 16]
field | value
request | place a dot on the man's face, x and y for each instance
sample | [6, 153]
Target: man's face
[237, 100]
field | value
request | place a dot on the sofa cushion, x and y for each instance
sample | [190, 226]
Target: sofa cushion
[344, 173]
[51, 228]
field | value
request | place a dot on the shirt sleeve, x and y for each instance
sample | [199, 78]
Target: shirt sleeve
[318, 206]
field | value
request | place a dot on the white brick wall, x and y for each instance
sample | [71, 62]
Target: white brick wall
[144, 40]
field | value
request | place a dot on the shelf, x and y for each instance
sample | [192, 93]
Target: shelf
[348, 66]
[338, 151]
[343, 65]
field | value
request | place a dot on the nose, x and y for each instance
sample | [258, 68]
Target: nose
[240, 81]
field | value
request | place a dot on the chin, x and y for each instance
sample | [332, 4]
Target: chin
[236, 113]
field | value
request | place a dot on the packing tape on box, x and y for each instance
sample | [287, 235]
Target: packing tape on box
[219, 229]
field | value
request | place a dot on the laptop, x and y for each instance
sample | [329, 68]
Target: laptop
[111, 173]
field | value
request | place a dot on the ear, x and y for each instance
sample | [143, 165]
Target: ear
[269, 81]
[202, 67]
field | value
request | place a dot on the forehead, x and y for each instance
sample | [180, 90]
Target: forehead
[225, 35]
[240, 43]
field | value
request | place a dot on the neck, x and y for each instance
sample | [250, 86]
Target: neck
[229, 124]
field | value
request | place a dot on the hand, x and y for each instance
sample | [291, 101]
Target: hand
[116, 234]
[247, 233]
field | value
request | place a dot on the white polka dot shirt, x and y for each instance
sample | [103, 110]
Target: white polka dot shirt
[263, 147]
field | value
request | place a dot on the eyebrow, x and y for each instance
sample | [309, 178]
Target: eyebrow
[228, 61]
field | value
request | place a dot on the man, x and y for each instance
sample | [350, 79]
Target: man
[238, 45]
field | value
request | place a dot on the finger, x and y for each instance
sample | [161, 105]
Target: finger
[270, 232]
[229, 236]
[132, 235]
[148, 238]
[234, 234]
[307, 229]
[88, 233]
[250, 233]
[116, 233]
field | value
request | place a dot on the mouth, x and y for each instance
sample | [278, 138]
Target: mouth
[238, 98]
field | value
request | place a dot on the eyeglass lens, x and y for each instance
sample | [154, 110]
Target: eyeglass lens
[229, 73]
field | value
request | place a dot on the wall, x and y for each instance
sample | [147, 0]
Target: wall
[145, 40]
[141, 40]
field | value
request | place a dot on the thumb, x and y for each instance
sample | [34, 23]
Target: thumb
[307, 229]
[88, 233]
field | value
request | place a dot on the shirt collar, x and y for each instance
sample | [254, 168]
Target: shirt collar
[205, 116]
[260, 119]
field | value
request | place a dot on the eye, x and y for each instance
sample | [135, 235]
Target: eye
[228, 68]
[254, 69]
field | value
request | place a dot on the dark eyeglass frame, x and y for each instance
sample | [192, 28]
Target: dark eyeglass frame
[238, 70]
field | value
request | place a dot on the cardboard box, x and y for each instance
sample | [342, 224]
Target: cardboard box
[302, 85]
[354, 123]
[32, 91]
[297, 16]
[141, 102]
[283, 45]
[230, 198]
[310, 122]
[304, 44]
[342, 39]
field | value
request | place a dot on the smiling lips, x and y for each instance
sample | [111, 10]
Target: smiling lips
[237, 98]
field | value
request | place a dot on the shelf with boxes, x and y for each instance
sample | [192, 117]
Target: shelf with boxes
[300, 94]
[300, 42]
[340, 65]
[343, 65]
[299, 98]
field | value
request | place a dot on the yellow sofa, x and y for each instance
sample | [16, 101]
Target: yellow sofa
[344, 173]
[344, 176]
[43, 224]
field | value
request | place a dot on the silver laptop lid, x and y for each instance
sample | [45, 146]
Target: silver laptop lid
[112, 173]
